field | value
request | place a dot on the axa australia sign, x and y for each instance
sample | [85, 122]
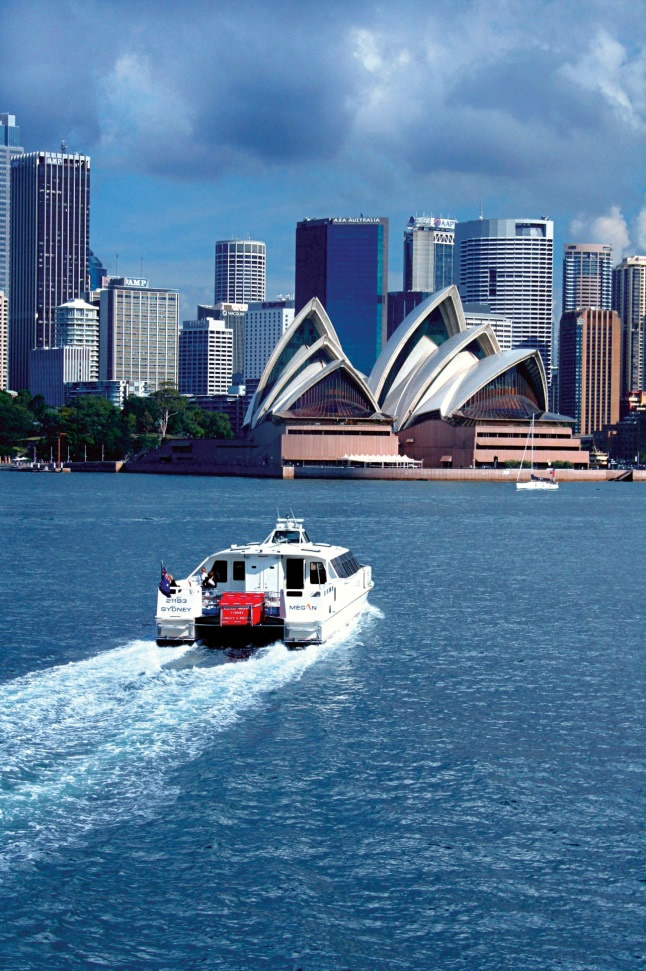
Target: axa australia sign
[357, 219]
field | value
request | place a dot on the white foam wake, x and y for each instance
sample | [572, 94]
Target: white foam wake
[93, 742]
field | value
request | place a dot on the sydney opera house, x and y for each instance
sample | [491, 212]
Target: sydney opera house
[440, 393]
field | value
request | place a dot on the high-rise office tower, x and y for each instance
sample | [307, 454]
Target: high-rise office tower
[50, 224]
[590, 368]
[587, 276]
[507, 264]
[240, 270]
[77, 325]
[96, 270]
[138, 332]
[629, 300]
[4, 339]
[234, 315]
[344, 262]
[428, 253]
[265, 324]
[51, 368]
[205, 357]
[9, 148]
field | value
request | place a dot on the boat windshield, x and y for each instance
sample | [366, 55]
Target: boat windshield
[290, 536]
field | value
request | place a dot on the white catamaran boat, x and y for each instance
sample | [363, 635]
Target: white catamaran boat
[535, 481]
[285, 588]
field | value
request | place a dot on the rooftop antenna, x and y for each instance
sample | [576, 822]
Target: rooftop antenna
[480, 217]
[116, 264]
[141, 265]
[63, 147]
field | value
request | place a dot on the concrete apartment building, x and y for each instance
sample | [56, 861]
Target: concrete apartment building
[590, 368]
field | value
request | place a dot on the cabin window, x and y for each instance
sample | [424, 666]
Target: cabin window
[220, 571]
[317, 572]
[346, 565]
[238, 569]
[294, 570]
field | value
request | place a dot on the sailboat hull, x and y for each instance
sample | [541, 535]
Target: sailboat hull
[549, 486]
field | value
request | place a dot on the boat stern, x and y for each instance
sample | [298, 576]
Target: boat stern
[176, 614]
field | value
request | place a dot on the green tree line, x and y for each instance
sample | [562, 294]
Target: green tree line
[93, 426]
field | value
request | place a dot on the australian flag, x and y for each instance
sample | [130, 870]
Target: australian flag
[166, 580]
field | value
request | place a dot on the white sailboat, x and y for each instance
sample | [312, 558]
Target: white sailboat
[535, 481]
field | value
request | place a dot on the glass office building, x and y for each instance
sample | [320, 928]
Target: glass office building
[344, 262]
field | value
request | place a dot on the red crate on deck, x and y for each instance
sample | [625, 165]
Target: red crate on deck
[241, 609]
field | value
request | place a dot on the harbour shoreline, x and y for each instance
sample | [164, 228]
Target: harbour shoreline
[334, 472]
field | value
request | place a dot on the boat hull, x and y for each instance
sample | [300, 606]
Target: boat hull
[543, 486]
[208, 631]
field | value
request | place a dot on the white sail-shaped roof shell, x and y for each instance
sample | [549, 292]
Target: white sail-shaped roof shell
[306, 380]
[450, 396]
[449, 304]
[447, 364]
[313, 312]
[441, 363]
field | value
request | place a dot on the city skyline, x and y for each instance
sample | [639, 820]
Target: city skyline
[433, 112]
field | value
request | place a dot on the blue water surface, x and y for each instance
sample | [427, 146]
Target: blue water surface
[456, 782]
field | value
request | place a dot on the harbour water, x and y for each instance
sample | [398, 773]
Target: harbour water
[457, 782]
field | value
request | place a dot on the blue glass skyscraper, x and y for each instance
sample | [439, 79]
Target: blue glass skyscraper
[344, 262]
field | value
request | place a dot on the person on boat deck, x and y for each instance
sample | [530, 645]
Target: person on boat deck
[206, 579]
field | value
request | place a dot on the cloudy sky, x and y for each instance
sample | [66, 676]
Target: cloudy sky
[208, 118]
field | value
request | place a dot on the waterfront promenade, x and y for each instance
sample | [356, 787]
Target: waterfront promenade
[142, 467]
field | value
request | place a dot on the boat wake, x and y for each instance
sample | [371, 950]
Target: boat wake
[94, 742]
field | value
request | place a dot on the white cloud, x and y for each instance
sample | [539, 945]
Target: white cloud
[640, 231]
[138, 104]
[609, 228]
[607, 68]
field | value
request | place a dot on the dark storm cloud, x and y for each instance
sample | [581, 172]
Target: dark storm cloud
[507, 92]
